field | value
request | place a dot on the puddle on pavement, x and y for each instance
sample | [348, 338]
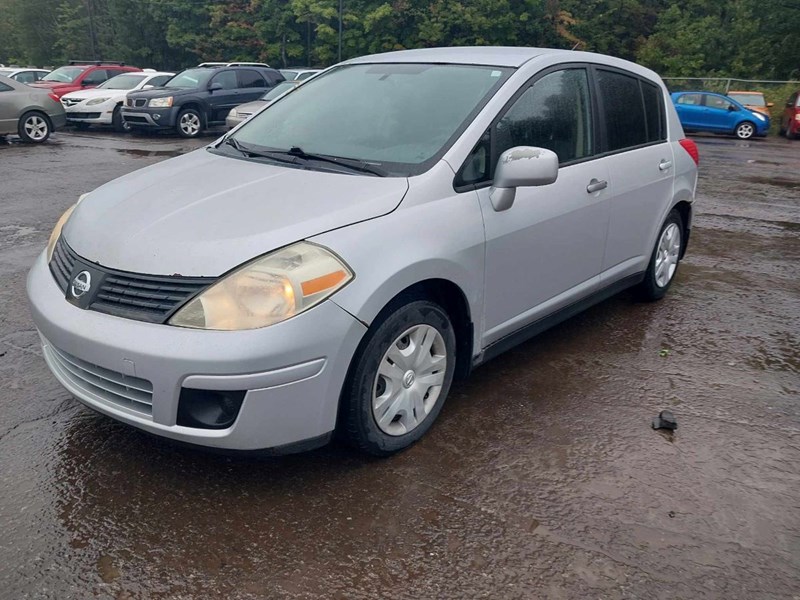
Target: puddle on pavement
[150, 153]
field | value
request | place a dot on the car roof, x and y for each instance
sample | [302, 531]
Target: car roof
[501, 56]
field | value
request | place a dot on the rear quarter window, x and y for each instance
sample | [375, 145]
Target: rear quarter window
[654, 112]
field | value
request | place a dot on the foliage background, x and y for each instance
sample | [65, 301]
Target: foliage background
[732, 38]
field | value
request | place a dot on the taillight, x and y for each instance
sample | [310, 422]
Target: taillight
[691, 148]
[54, 97]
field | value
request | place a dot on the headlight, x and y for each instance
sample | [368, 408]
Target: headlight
[161, 102]
[760, 116]
[51, 243]
[95, 101]
[267, 290]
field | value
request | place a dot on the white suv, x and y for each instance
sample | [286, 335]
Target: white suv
[101, 105]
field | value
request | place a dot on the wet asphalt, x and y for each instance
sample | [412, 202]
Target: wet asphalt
[542, 478]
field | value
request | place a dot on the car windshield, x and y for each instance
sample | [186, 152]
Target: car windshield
[190, 78]
[6, 72]
[398, 116]
[64, 74]
[288, 75]
[751, 99]
[278, 90]
[122, 82]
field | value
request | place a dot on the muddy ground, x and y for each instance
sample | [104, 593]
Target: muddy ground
[542, 478]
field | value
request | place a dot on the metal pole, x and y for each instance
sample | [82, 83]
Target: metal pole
[92, 33]
[340, 30]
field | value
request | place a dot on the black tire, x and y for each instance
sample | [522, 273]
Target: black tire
[181, 124]
[745, 130]
[34, 127]
[357, 422]
[118, 123]
[649, 289]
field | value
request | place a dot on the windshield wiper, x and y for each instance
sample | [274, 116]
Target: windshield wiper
[349, 163]
[246, 150]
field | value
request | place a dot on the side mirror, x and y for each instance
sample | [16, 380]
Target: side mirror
[522, 166]
[214, 87]
[732, 108]
[148, 87]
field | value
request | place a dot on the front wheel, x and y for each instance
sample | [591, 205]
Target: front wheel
[399, 379]
[190, 124]
[34, 127]
[664, 260]
[119, 124]
[745, 130]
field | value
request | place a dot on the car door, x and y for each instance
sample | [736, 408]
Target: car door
[690, 110]
[251, 85]
[546, 250]
[720, 114]
[640, 166]
[222, 100]
[9, 111]
[94, 78]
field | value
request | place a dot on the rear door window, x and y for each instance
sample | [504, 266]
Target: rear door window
[250, 79]
[690, 99]
[623, 110]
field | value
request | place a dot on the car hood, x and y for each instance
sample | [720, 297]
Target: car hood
[95, 93]
[162, 92]
[50, 85]
[203, 214]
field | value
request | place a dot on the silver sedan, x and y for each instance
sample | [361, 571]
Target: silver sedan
[31, 113]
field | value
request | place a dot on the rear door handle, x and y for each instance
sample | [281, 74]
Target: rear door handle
[596, 185]
[664, 165]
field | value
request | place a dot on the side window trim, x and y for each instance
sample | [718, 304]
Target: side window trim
[594, 151]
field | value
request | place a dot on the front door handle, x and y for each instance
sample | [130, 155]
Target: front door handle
[664, 165]
[596, 185]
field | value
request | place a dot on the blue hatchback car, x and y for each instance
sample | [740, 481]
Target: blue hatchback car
[706, 111]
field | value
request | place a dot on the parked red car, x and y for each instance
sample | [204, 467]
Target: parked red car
[790, 120]
[81, 75]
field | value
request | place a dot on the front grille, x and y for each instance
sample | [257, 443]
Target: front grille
[70, 101]
[77, 115]
[101, 384]
[62, 263]
[150, 298]
[139, 102]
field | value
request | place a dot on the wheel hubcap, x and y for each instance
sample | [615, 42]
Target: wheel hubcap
[190, 124]
[669, 249]
[36, 128]
[409, 380]
[745, 130]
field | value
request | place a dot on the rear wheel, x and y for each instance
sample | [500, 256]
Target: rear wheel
[745, 130]
[34, 127]
[664, 260]
[190, 123]
[399, 379]
[120, 125]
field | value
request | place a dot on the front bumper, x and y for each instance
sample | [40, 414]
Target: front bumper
[232, 122]
[153, 118]
[96, 115]
[292, 371]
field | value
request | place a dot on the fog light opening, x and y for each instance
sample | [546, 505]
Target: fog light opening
[209, 409]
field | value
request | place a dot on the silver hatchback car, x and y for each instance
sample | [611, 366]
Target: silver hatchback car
[333, 263]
